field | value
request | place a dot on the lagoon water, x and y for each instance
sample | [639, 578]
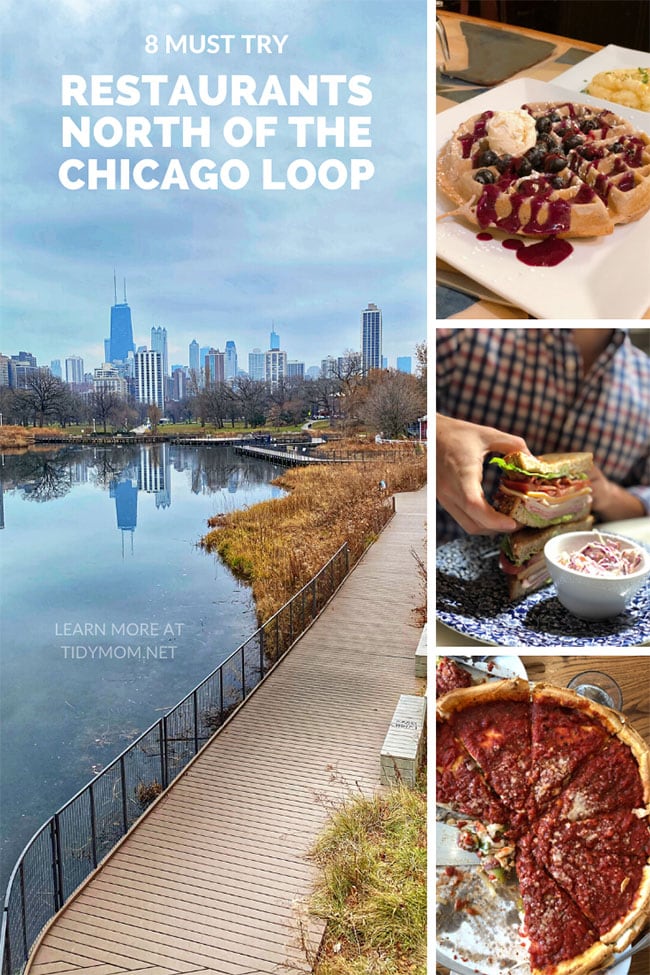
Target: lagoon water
[99, 557]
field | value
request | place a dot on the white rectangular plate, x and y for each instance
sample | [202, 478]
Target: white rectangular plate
[605, 277]
[608, 59]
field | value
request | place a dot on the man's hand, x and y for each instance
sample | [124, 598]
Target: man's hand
[461, 448]
[611, 501]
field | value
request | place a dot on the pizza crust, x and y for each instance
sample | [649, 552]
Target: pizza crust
[566, 698]
[626, 928]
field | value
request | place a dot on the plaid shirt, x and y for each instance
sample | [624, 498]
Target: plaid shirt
[528, 382]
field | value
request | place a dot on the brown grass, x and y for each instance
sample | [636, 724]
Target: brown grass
[279, 545]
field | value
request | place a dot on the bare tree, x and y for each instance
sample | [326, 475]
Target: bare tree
[394, 401]
[45, 390]
[252, 397]
[106, 407]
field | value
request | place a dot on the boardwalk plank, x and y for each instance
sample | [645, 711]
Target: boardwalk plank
[211, 881]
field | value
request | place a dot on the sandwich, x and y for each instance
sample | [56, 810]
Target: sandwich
[521, 557]
[551, 489]
[548, 495]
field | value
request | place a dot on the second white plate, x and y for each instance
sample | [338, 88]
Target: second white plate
[604, 277]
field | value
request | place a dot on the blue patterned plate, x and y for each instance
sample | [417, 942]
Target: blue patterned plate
[472, 598]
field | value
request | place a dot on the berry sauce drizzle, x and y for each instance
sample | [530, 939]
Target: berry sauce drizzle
[544, 253]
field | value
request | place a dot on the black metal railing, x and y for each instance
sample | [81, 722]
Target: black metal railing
[69, 846]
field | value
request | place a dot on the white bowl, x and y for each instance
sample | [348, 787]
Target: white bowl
[593, 597]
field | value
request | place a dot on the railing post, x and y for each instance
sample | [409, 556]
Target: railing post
[277, 636]
[243, 675]
[23, 915]
[291, 622]
[93, 833]
[261, 652]
[195, 708]
[58, 865]
[125, 811]
[164, 751]
[55, 882]
[314, 609]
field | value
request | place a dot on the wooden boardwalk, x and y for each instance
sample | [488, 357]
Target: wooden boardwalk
[213, 877]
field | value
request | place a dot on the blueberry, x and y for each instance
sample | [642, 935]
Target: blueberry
[487, 158]
[554, 162]
[545, 142]
[571, 142]
[555, 117]
[503, 162]
[543, 124]
[558, 183]
[588, 125]
[617, 147]
[588, 152]
[535, 157]
[523, 167]
[484, 176]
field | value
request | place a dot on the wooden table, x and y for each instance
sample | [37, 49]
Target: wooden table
[477, 301]
[632, 674]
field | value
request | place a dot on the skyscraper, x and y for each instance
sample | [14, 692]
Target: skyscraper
[404, 363]
[275, 367]
[230, 364]
[274, 341]
[74, 369]
[256, 360]
[121, 340]
[195, 358]
[159, 344]
[149, 378]
[214, 367]
[371, 328]
[55, 368]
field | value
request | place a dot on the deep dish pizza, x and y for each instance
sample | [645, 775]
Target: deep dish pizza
[548, 169]
[555, 788]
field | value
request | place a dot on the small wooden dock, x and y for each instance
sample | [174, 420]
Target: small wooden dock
[213, 879]
[290, 458]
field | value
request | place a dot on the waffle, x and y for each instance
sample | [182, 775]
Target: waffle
[588, 171]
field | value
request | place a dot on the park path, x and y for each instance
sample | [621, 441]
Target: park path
[212, 878]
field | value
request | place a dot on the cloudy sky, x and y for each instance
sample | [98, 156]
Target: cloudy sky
[214, 264]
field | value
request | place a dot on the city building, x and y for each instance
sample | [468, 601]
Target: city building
[180, 385]
[74, 370]
[159, 344]
[404, 363]
[256, 363]
[313, 372]
[295, 369]
[371, 335]
[106, 378]
[195, 357]
[230, 364]
[275, 366]
[149, 378]
[55, 368]
[328, 367]
[4, 370]
[121, 339]
[21, 368]
[274, 343]
[214, 367]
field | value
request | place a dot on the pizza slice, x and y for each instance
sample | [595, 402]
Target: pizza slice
[495, 730]
[602, 864]
[562, 940]
[607, 780]
[564, 732]
[459, 782]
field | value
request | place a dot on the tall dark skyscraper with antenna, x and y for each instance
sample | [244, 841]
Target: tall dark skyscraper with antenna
[121, 340]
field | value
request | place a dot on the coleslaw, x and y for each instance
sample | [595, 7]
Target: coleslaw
[603, 558]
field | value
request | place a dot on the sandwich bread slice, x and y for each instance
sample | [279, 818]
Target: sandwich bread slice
[547, 490]
[548, 495]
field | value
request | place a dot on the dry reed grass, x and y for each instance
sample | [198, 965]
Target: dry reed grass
[279, 545]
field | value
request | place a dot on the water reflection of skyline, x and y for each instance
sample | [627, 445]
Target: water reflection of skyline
[125, 473]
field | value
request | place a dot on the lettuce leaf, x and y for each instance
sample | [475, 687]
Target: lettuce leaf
[500, 462]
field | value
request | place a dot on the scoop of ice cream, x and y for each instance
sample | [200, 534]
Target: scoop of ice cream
[511, 132]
